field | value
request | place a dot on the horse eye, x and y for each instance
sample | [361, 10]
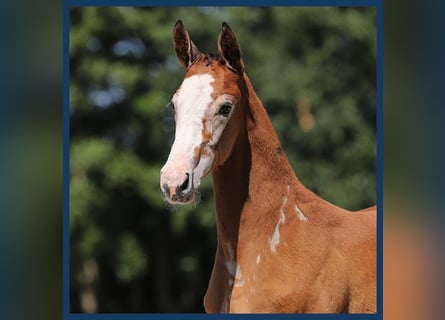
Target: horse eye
[224, 110]
[171, 105]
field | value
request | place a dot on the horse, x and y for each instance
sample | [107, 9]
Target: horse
[281, 248]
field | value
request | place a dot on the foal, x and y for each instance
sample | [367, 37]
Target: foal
[281, 248]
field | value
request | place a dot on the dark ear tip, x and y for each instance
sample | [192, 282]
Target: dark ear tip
[179, 23]
[225, 25]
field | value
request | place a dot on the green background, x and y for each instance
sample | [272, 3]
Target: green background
[314, 70]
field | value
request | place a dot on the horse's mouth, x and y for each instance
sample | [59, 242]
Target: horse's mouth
[183, 198]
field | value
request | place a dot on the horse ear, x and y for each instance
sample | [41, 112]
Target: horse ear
[186, 50]
[229, 49]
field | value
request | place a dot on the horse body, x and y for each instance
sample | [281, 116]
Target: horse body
[281, 248]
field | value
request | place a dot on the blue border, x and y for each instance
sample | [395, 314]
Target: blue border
[379, 66]
[67, 4]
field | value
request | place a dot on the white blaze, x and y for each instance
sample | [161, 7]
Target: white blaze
[191, 102]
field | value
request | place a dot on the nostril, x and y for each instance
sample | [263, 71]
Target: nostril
[185, 184]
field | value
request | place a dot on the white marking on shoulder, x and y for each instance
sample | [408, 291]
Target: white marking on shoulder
[239, 281]
[300, 214]
[275, 240]
[230, 263]
[258, 258]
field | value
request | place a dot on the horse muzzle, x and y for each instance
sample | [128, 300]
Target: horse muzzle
[178, 188]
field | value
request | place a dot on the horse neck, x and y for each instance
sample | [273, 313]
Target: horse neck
[255, 177]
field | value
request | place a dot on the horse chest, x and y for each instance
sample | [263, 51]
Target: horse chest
[277, 289]
[256, 286]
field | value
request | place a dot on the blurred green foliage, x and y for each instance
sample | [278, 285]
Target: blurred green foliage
[313, 68]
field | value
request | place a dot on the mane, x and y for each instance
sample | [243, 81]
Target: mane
[210, 58]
